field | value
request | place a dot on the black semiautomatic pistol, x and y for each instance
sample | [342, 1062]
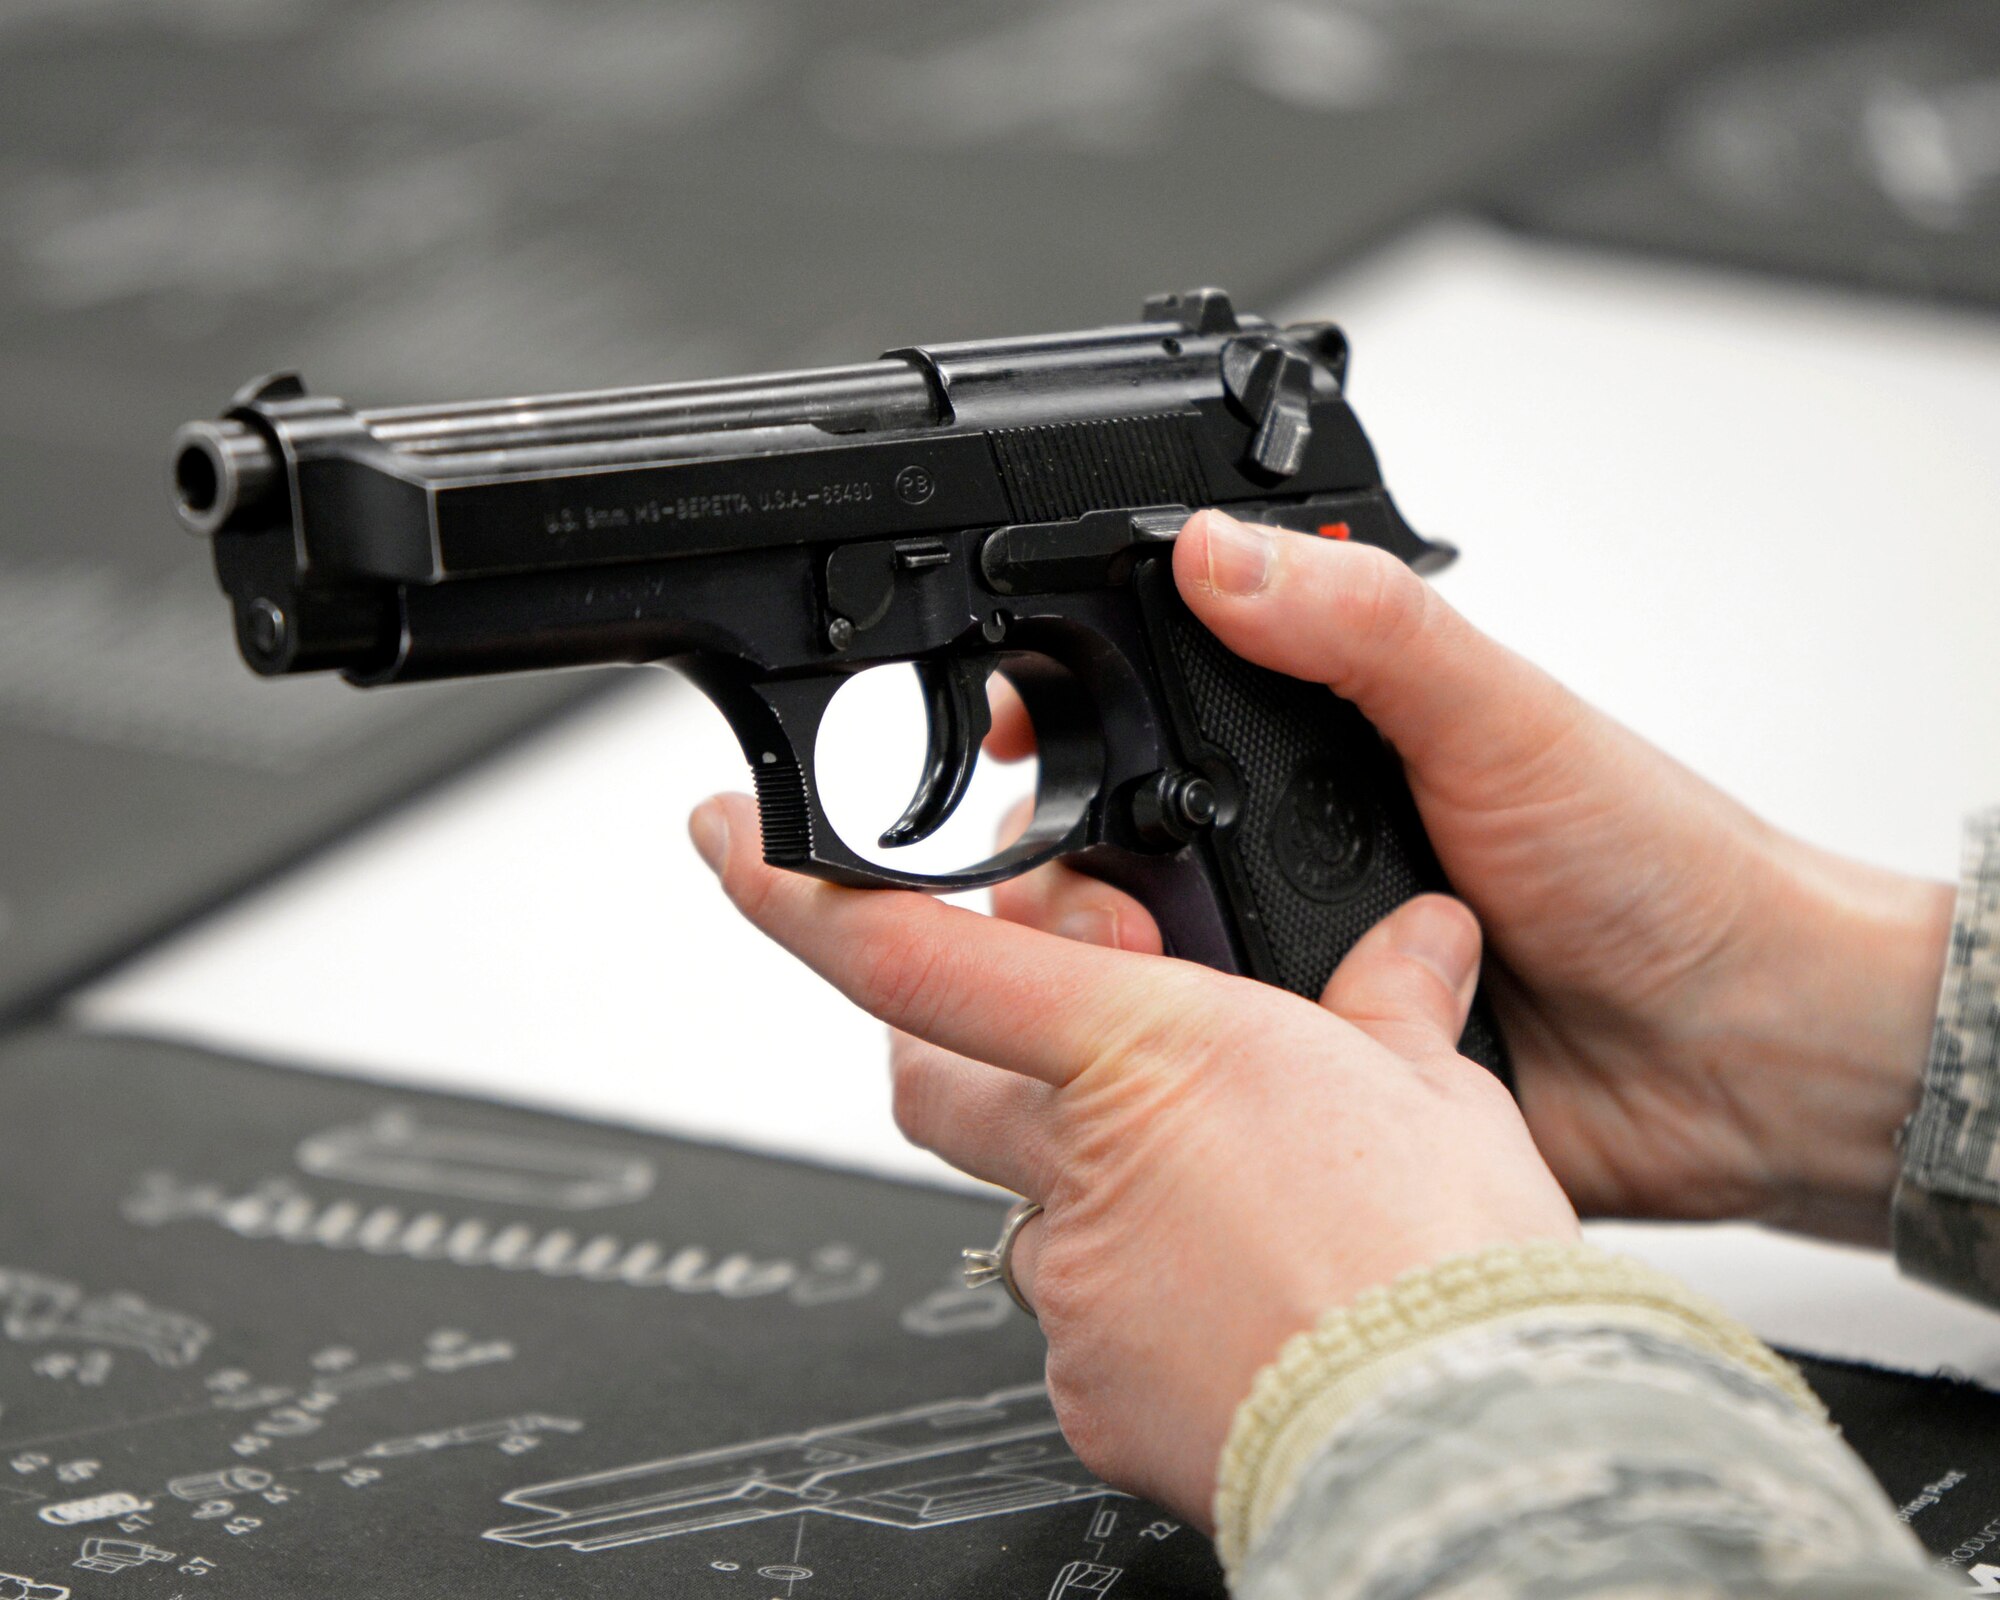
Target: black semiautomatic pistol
[1004, 505]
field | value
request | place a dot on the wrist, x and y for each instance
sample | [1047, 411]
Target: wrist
[1829, 1031]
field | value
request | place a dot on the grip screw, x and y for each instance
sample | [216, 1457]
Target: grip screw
[1170, 808]
[1195, 801]
[840, 633]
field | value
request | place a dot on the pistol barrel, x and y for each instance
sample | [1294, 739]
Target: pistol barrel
[222, 467]
[217, 467]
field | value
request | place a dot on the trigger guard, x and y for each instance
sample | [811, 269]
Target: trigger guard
[777, 720]
[1070, 757]
[834, 862]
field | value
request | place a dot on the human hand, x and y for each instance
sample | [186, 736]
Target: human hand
[1707, 1018]
[1221, 1161]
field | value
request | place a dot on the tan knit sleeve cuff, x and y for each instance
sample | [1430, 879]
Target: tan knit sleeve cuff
[1321, 1376]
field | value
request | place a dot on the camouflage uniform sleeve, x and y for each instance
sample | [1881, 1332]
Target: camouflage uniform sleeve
[1947, 1205]
[1583, 1433]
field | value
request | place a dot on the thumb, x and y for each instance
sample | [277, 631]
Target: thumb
[1408, 982]
[1463, 711]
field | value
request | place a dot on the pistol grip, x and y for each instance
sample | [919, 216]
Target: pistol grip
[1318, 837]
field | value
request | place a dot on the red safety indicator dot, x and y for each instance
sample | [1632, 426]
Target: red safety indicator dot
[1335, 530]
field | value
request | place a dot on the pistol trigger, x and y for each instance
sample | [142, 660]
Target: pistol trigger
[955, 708]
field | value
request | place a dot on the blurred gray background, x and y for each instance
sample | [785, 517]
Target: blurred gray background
[430, 199]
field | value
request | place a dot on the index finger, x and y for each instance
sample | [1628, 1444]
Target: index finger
[1012, 735]
[1031, 1002]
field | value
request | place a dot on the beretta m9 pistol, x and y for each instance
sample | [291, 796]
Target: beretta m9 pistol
[1006, 505]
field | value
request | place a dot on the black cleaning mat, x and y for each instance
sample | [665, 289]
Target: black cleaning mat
[433, 199]
[275, 1336]
[1865, 151]
[296, 1336]
[1934, 1444]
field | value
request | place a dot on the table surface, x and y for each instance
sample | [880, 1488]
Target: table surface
[1753, 519]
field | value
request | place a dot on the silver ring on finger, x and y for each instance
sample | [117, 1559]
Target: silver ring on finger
[997, 1264]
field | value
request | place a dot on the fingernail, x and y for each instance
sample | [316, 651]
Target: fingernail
[1239, 556]
[709, 829]
[1097, 926]
[1441, 937]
